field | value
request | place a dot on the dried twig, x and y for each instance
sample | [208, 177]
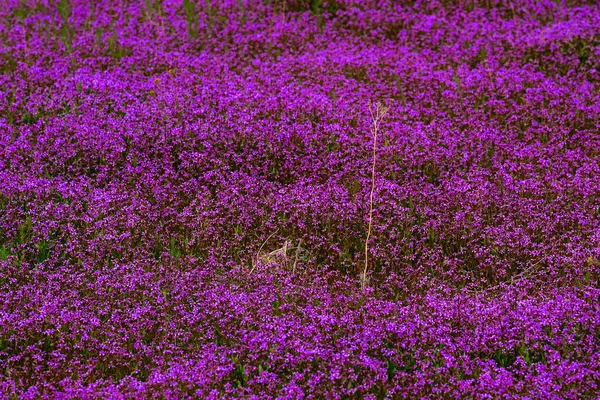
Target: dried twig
[298, 249]
[378, 112]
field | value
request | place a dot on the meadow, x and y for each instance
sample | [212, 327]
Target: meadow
[300, 199]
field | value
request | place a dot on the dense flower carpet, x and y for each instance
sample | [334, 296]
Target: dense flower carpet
[185, 199]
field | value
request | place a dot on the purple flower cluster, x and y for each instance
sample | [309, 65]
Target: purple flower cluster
[184, 199]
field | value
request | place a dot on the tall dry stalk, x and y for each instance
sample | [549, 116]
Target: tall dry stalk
[378, 112]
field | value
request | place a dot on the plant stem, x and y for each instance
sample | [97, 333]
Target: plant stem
[377, 113]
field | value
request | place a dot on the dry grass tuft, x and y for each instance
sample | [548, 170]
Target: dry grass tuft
[286, 256]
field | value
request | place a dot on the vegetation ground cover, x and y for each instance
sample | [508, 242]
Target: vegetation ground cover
[187, 189]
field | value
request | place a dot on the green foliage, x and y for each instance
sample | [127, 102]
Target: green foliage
[238, 230]
[62, 200]
[4, 253]
[153, 7]
[592, 261]
[115, 49]
[332, 144]
[29, 118]
[22, 11]
[208, 7]
[239, 377]
[210, 14]
[64, 10]
[276, 308]
[191, 18]
[316, 6]
[98, 34]
[25, 231]
[43, 248]
[457, 81]
[66, 34]
[530, 356]
[391, 370]
[174, 249]
[504, 359]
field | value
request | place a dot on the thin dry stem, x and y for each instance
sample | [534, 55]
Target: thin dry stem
[255, 261]
[378, 112]
[298, 250]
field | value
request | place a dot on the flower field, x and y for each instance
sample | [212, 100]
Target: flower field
[300, 199]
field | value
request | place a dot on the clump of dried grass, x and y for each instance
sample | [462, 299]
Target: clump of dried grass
[287, 256]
